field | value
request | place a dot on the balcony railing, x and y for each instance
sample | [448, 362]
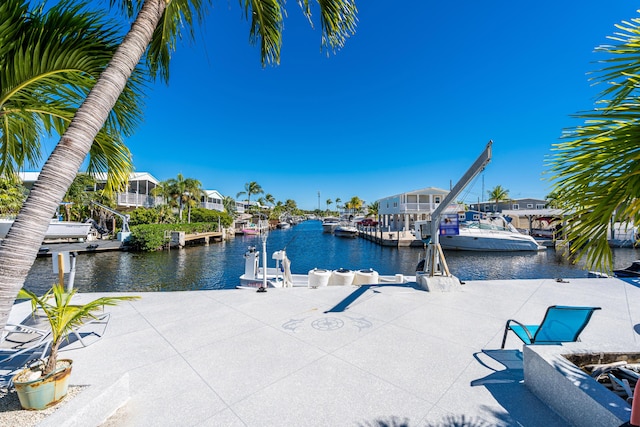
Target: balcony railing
[137, 200]
[213, 206]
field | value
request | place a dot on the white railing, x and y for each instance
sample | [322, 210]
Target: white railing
[133, 199]
[213, 206]
[417, 207]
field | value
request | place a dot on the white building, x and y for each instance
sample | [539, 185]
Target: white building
[212, 199]
[399, 212]
[138, 193]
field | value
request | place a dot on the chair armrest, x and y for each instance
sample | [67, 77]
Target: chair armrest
[524, 328]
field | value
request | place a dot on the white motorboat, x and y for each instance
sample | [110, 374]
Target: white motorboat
[345, 230]
[283, 225]
[491, 233]
[57, 229]
[329, 224]
[280, 276]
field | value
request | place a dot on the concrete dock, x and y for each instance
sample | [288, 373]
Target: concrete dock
[337, 356]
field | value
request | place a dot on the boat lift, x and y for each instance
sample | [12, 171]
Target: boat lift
[435, 273]
[123, 235]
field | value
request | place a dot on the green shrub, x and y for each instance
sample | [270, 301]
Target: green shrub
[208, 215]
[141, 215]
[151, 237]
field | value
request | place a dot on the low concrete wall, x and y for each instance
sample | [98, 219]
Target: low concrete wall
[568, 390]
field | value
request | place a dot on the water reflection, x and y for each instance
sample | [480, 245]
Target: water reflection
[219, 265]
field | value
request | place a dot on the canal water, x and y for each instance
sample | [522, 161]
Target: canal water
[219, 265]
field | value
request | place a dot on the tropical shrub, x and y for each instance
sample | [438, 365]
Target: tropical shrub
[142, 215]
[151, 237]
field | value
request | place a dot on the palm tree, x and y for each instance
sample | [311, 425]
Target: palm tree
[63, 316]
[184, 191]
[19, 249]
[270, 199]
[229, 204]
[250, 188]
[374, 208]
[338, 200]
[163, 190]
[498, 194]
[355, 203]
[595, 170]
[329, 202]
[54, 60]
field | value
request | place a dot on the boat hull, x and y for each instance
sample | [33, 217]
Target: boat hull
[349, 232]
[492, 242]
[56, 230]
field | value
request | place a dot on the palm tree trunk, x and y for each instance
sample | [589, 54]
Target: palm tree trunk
[20, 247]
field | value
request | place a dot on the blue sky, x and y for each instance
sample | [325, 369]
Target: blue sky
[409, 102]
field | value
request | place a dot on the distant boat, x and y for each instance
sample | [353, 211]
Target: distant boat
[283, 225]
[280, 276]
[345, 230]
[329, 224]
[57, 229]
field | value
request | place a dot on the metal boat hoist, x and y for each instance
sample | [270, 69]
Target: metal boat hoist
[123, 235]
[435, 273]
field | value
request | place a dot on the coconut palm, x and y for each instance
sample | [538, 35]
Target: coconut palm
[250, 188]
[338, 200]
[498, 194]
[163, 190]
[183, 191]
[19, 249]
[595, 169]
[47, 69]
[270, 199]
[374, 208]
[229, 204]
[63, 316]
[329, 202]
[355, 204]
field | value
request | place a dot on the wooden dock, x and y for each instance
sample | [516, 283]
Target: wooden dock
[391, 238]
[180, 238]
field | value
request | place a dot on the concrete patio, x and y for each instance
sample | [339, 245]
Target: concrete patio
[336, 356]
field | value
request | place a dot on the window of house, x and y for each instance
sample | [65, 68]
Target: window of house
[539, 206]
[529, 205]
[515, 206]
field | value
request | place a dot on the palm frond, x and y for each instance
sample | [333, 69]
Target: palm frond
[54, 61]
[178, 21]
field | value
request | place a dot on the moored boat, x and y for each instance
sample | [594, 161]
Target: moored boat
[280, 276]
[56, 230]
[329, 224]
[345, 230]
[492, 232]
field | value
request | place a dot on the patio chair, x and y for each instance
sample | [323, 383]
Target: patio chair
[19, 345]
[560, 324]
[86, 334]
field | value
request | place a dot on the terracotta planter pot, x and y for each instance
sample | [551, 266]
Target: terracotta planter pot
[44, 391]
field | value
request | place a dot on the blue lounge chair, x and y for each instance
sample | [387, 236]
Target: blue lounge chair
[560, 324]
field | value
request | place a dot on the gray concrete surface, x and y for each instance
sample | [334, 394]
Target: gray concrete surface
[394, 356]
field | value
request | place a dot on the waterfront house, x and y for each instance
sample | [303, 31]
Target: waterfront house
[212, 200]
[511, 204]
[399, 212]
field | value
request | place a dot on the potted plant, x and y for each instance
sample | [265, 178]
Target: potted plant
[45, 383]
